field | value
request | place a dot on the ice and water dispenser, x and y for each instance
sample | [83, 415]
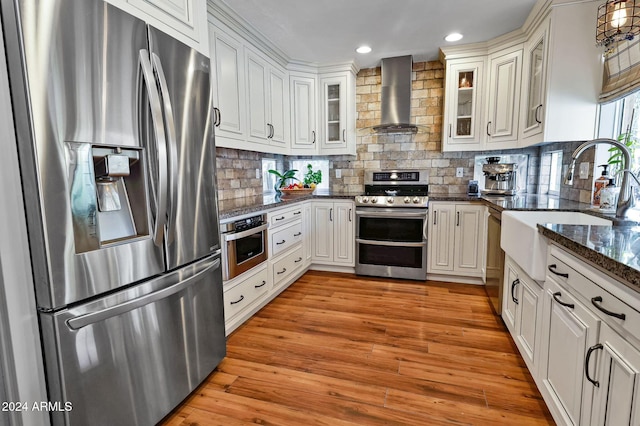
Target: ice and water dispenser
[108, 195]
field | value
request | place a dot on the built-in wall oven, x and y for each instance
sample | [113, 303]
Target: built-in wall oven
[391, 225]
[244, 245]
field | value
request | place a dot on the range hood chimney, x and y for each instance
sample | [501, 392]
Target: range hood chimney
[396, 96]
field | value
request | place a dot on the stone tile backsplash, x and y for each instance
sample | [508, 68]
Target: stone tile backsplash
[236, 168]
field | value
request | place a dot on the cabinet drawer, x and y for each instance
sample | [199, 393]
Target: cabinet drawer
[285, 237]
[280, 217]
[245, 292]
[287, 265]
[609, 307]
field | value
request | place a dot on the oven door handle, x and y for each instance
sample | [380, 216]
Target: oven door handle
[395, 214]
[242, 234]
[390, 243]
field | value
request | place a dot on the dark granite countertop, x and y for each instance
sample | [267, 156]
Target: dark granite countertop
[242, 206]
[615, 249]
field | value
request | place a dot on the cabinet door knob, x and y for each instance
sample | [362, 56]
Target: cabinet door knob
[344, 135]
[586, 363]
[552, 269]
[536, 114]
[513, 287]
[260, 285]
[488, 127]
[556, 297]
[282, 272]
[281, 242]
[237, 301]
[313, 133]
[595, 301]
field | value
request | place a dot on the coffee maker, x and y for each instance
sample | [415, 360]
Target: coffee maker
[499, 178]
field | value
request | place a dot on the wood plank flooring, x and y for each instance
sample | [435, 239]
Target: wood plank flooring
[336, 349]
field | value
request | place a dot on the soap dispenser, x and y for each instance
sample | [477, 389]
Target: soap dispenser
[599, 184]
[609, 196]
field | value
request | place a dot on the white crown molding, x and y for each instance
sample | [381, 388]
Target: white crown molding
[218, 10]
[220, 13]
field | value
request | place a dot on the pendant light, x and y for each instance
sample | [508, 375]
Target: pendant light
[617, 20]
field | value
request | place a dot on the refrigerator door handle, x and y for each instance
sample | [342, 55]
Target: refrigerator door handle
[161, 148]
[171, 147]
[84, 320]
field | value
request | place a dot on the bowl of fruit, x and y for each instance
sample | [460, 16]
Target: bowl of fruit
[297, 189]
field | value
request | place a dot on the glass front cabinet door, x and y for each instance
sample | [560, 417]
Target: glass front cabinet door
[334, 114]
[463, 96]
[534, 83]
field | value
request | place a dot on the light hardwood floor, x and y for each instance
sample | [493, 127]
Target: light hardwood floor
[336, 349]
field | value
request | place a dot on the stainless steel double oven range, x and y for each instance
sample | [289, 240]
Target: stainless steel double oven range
[391, 228]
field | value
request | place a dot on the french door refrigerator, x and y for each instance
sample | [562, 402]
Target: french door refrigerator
[117, 155]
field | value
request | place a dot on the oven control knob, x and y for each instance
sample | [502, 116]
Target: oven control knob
[390, 200]
[407, 200]
[416, 200]
[374, 200]
[364, 199]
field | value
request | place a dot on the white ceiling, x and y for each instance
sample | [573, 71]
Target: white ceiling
[328, 31]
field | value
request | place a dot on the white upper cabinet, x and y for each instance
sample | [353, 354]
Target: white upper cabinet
[503, 97]
[267, 101]
[228, 90]
[338, 112]
[463, 104]
[303, 114]
[186, 20]
[562, 77]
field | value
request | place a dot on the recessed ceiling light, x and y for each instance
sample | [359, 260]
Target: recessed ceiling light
[453, 37]
[363, 49]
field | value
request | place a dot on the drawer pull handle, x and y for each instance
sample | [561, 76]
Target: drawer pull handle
[598, 299]
[556, 297]
[586, 364]
[552, 269]
[260, 285]
[280, 218]
[513, 287]
[298, 234]
[239, 300]
[299, 260]
[281, 242]
[297, 213]
[282, 272]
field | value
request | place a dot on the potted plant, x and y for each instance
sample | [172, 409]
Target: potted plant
[311, 178]
[282, 178]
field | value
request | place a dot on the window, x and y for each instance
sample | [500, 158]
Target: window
[619, 117]
[268, 180]
[555, 173]
[322, 165]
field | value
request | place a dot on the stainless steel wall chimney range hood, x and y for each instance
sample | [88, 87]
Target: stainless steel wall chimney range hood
[396, 96]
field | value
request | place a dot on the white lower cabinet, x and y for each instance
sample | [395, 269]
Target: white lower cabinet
[286, 266]
[617, 396]
[521, 311]
[333, 233]
[584, 326]
[456, 238]
[243, 294]
[569, 330]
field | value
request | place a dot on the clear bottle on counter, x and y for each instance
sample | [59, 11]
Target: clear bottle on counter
[609, 196]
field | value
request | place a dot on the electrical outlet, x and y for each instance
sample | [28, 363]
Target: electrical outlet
[257, 173]
[584, 170]
[338, 173]
[460, 172]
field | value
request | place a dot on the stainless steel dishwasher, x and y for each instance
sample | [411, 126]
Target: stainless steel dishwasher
[495, 260]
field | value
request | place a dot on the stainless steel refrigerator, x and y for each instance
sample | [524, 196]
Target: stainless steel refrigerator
[117, 154]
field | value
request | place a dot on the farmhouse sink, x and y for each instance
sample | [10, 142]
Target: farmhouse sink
[521, 241]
